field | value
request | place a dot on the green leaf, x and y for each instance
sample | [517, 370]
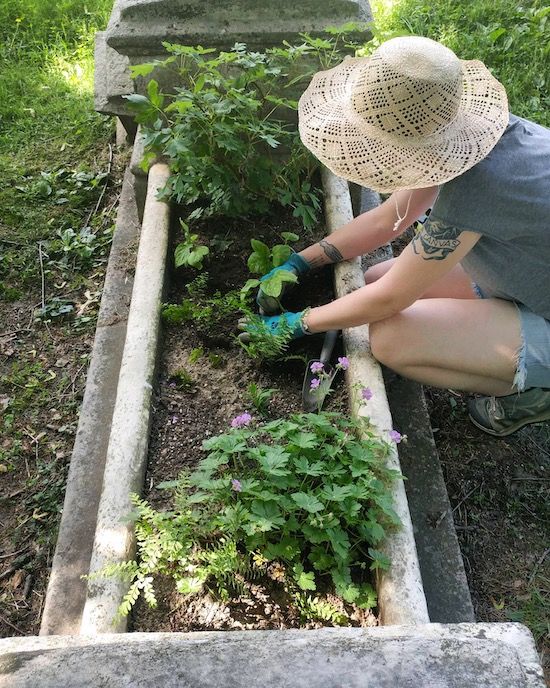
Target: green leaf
[273, 286]
[302, 465]
[290, 236]
[337, 493]
[304, 440]
[265, 516]
[250, 284]
[142, 69]
[154, 96]
[321, 560]
[307, 502]
[339, 541]
[273, 461]
[379, 560]
[280, 254]
[305, 580]
[137, 100]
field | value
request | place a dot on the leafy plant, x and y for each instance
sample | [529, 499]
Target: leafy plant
[219, 133]
[302, 494]
[263, 259]
[188, 252]
[259, 397]
[184, 381]
[261, 343]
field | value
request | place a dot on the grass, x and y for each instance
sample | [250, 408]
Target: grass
[512, 39]
[54, 152]
[47, 121]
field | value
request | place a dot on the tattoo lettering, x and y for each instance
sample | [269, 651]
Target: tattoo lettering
[332, 253]
[437, 240]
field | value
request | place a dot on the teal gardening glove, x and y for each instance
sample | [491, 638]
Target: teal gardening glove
[269, 305]
[292, 323]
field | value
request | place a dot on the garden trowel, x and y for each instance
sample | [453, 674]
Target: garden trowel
[312, 398]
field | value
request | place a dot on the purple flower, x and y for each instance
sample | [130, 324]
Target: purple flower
[315, 383]
[241, 421]
[236, 485]
[174, 420]
[316, 367]
[366, 394]
[343, 362]
[395, 436]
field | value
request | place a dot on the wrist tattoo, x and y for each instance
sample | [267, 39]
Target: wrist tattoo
[332, 253]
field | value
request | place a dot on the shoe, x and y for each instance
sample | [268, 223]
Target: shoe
[501, 416]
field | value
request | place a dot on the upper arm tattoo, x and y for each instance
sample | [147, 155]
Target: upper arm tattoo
[437, 240]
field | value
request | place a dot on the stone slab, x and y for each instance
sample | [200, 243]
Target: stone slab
[66, 592]
[431, 656]
[138, 27]
[441, 566]
[401, 597]
[126, 457]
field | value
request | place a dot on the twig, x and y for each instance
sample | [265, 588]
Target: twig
[42, 276]
[9, 623]
[12, 554]
[14, 332]
[537, 445]
[539, 562]
[94, 211]
[465, 498]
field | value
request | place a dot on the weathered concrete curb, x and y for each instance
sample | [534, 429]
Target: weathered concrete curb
[66, 592]
[127, 452]
[441, 566]
[401, 596]
[432, 656]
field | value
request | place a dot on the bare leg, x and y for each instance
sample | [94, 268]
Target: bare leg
[454, 285]
[466, 344]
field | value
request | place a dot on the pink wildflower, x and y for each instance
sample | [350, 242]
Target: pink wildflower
[316, 367]
[236, 485]
[343, 362]
[395, 436]
[366, 394]
[315, 383]
[241, 421]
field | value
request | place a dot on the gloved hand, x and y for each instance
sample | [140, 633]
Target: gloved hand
[269, 304]
[276, 325]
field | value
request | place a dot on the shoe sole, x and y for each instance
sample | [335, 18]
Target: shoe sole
[515, 428]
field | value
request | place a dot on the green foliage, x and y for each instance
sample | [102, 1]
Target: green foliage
[209, 313]
[221, 134]
[512, 39]
[259, 397]
[188, 252]
[184, 381]
[296, 493]
[263, 259]
[262, 344]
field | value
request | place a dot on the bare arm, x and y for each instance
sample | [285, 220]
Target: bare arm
[372, 229]
[427, 258]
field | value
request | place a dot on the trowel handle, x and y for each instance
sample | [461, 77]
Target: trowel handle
[328, 345]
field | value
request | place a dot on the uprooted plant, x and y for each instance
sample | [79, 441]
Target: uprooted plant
[303, 498]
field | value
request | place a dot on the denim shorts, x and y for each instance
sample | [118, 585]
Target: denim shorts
[533, 362]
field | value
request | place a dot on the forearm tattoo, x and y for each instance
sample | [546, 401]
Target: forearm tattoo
[332, 253]
[436, 240]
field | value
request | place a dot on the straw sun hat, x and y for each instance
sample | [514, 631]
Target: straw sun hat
[411, 115]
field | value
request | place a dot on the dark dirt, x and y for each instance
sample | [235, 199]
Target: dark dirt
[499, 489]
[218, 393]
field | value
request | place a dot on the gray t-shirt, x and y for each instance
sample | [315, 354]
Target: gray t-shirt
[506, 199]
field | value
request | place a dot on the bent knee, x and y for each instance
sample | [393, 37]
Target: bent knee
[386, 341]
[376, 271]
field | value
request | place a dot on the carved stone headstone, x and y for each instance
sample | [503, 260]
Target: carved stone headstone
[137, 29]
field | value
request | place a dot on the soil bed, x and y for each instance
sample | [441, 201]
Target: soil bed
[215, 393]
